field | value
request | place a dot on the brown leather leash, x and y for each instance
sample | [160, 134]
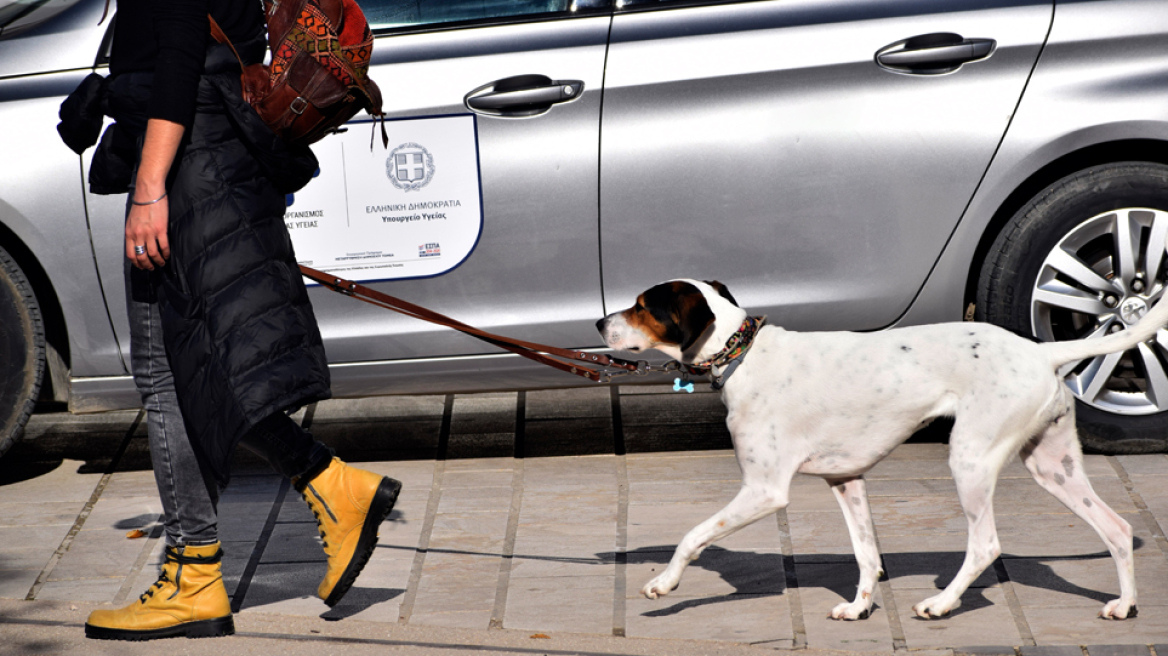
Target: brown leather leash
[538, 352]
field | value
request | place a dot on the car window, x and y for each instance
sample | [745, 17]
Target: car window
[397, 14]
[19, 15]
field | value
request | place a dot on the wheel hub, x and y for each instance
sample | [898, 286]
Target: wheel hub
[1132, 310]
[1102, 277]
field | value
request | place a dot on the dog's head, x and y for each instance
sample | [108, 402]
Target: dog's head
[678, 318]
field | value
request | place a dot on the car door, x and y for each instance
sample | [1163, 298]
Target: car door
[814, 155]
[532, 271]
[530, 268]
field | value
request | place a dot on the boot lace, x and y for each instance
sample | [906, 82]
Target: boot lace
[173, 555]
[313, 506]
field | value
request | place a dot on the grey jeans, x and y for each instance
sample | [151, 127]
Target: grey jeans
[189, 497]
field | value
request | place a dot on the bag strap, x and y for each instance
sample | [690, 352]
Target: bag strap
[531, 350]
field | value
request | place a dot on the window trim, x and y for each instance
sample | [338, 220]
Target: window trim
[431, 28]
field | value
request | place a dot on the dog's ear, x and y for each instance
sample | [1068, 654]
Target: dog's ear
[722, 291]
[691, 313]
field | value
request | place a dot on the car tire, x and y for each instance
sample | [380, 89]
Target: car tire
[22, 351]
[1107, 218]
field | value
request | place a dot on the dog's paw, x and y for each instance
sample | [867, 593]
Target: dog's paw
[935, 607]
[850, 611]
[1118, 609]
[659, 587]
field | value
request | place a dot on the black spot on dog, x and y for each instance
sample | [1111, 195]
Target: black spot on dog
[1058, 478]
[1069, 465]
[906, 349]
[1087, 502]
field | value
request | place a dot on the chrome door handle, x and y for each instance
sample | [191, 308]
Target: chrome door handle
[522, 95]
[933, 54]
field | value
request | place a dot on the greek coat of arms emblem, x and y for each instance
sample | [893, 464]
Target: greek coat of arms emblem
[410, 167]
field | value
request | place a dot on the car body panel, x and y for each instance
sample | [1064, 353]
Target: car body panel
[1106, 60]
[818, 186]
[53, 225]
[69, 39]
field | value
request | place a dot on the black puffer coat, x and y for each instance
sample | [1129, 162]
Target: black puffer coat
[239, 329]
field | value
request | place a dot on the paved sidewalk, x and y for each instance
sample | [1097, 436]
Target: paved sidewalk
[545, 512]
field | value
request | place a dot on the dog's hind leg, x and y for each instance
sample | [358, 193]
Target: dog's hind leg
[852, 496]
[1055, 460]
[975, 467]
[752, 503]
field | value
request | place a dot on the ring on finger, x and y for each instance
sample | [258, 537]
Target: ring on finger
[139, 250]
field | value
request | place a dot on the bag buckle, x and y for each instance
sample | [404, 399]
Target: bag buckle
[299, 105]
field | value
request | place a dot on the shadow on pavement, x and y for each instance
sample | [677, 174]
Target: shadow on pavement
[762, 574]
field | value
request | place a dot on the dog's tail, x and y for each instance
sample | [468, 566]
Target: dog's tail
[1061, 353]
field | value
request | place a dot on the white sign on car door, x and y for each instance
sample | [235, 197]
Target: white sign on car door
[412, 209]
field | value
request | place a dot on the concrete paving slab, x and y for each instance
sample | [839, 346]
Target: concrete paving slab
[96, 553]
[60, 480]
[542, 566]
[294, 543]
[33, 513]
[596, 473]
[572, 604]
[660, 527]
[472, 597]
[15, 583]
[980, 608]
[909, 488]
[930, 571]
[285, 587]
[1061, 534]
[821, 588]
[1081, 626]
[97, 590]
[717, 572]
[16, 559]
[1087, 582]
[1050, 650]
[568, 437]
[379, 409]
[471, 619]
[732, 618]
[569, 403]
[1152, 464]
[1118, 650]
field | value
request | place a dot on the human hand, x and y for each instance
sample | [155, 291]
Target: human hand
[146, 227]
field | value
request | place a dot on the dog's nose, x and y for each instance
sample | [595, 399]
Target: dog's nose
[600, 324]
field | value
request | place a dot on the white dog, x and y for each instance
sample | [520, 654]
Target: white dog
[834, 404]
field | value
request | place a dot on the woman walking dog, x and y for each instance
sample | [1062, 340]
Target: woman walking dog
[223, 338]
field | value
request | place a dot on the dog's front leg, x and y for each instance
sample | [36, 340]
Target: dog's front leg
[852, 496]
[751, 504]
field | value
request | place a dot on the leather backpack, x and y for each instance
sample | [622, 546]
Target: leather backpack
[318, 78]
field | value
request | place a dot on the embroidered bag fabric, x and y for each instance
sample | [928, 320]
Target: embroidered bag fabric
[318, 78]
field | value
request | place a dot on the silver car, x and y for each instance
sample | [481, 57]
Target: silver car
[839, 164]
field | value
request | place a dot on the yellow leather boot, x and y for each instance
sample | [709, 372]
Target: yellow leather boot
[349, 505]
[187, 600]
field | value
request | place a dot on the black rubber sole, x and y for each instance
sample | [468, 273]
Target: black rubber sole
[213, 628]
[379, 509]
